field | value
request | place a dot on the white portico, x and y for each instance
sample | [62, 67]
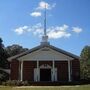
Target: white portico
[49, 71]
[44, 55]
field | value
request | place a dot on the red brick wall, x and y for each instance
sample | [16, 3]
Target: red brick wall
[75, 69]
[28, 70]
[14, 65]
[62, 70]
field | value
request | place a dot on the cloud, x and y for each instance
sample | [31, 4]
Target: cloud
[54, 32]
[21, 30]
[36, 14]
[77, 30]
[42, 5]
[35, 29]
[59, 32]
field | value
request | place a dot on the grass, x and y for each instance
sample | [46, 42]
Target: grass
[77, 87]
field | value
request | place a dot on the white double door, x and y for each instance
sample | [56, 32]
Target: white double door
[37, 74]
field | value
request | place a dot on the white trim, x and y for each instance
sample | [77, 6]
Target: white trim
[35, 74]
[53, 64]
[21, 71]
[45, 59]
[45, 66]
[69, 74]
[53, 71]
[37, 64]
[55, 76]
[38, 74]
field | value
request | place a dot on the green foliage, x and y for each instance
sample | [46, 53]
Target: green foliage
[3, 56]
[3, 76]
[15, 49]
[85, 63]
[5, 53]
[15, 83]
[85, 53]
[3, 62]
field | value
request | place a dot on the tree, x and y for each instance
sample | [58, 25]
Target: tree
[3, 62]
[85, 53]
[15, 49]
[3, 76]
[85, 62]
[3, 56]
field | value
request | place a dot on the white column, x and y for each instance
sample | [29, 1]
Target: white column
[53, 64]
[35, 74]
[21, 71]
[53, 79]
[55, 74]
[69, 74]
[38, 72]
[37, 64]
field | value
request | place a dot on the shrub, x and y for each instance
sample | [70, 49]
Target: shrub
[15, 83]
[25, 83]
[3, 76]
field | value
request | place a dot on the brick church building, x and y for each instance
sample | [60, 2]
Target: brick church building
[45, 63]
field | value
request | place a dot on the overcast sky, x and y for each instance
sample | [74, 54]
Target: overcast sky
[68, 23]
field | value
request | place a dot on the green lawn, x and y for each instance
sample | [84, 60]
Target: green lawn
[77, 87]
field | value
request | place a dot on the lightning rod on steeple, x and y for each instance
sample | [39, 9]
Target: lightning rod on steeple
[45, 21]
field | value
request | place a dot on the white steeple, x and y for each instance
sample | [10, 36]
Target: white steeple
[45, 37]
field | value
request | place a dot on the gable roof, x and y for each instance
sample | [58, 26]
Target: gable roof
[42, 46]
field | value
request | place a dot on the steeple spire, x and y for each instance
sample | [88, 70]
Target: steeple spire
[45, 21]
[45, 37]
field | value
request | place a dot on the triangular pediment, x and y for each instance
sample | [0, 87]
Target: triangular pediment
[45, 53]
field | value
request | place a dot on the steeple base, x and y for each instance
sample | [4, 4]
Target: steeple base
[45, 43]
[45, 40]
